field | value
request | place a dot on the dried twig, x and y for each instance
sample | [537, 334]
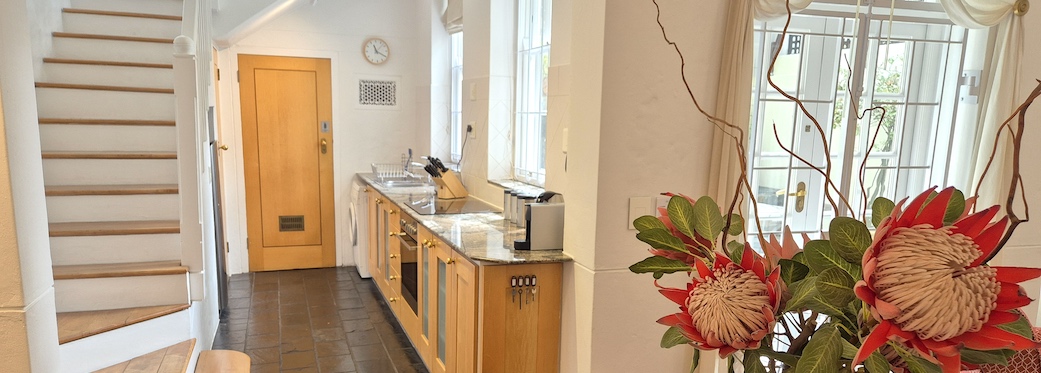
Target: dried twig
[867, 152]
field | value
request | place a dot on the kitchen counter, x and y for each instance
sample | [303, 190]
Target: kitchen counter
[483, 237]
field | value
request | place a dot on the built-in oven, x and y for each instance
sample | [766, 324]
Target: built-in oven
[409, 261]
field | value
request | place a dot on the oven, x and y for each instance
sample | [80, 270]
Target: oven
[409, 269]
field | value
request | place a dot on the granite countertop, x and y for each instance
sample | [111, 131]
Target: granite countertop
[483, 237]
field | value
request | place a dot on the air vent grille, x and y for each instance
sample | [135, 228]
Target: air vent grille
[290, 223]
[377, 92]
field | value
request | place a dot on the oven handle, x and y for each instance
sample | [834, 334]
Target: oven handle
[408, 242]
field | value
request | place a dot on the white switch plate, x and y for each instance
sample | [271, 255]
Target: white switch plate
[660, 201]
[640, 206]
[473, 91]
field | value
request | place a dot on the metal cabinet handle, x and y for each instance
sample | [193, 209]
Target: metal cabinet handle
[379, 201]
[392, 278]
[392, 212]
[392, 256]
[392, 299]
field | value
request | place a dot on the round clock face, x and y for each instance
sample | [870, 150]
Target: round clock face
[376, 51]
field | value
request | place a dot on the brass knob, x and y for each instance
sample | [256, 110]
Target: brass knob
[379, 201]
[450, 261]
[223, 147]
[392, 299]
[392, 212]
[392, 278]
[1022, 7]
[426, 242]
[392, 256]
[325, 146]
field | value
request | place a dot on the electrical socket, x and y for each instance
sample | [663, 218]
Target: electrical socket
[470, 130]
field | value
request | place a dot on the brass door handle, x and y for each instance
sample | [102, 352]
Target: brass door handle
[223, 147]
[325, 146]
[799, 194]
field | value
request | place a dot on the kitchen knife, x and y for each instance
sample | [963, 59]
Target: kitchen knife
[441, 166]
[430, 169]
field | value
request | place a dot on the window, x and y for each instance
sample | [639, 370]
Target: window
[533, 36]
[456, 109]
[910, 66]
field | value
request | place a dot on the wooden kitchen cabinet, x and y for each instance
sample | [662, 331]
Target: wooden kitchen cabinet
[452, 309]
[384, 246]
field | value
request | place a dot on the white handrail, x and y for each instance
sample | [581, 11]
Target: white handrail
[189, 142]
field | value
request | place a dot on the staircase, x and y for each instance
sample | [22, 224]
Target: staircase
[106, 109]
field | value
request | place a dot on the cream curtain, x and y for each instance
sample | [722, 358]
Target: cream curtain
[452, 15]
[1000, 84]
[734, 100]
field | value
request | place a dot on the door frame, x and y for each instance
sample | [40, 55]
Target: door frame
[233, 162]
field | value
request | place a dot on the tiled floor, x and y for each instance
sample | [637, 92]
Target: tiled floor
[321, 320]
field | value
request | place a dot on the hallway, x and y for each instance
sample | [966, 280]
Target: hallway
[320, 320]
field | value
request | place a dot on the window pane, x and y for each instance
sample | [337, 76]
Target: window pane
[533, 37]
[456, 109]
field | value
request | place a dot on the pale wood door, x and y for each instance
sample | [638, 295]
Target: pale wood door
[287, 150]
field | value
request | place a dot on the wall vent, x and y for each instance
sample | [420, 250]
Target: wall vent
[377, 92]
[290, 223]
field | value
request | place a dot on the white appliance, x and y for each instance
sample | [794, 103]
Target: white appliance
[359, 229]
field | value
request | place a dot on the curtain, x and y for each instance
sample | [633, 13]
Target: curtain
[1001, 82]
[734, 98]
[452, 15]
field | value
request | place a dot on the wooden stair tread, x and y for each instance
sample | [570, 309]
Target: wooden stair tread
[110, 190]
[108, 63]
[78, 325]
[121, 14]
[114, 228]
[222, 361]
[111, 122]
[81, 271]
[165, 360]
[94, 87]
[75, 35]
[109, 155]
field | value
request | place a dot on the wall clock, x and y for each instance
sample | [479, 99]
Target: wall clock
[376, 51]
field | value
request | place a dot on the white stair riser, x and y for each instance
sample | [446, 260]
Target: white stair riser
[110, 348]
[165, 7]
[107, 138]
[121, 26]
[115, 249]
[79, 103]
[63, 209]
[108, 75]
[109, 171]
[95, 294]
[113, 50]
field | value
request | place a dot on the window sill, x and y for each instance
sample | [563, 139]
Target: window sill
[518, 185]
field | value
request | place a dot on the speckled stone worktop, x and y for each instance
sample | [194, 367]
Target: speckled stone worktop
[483, 237]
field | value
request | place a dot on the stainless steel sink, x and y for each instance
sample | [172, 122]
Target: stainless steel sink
[402, 181]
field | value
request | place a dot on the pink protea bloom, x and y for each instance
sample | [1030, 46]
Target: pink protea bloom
[929, 289]
[728, 307]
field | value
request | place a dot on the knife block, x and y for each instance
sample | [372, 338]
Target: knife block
[449, 186]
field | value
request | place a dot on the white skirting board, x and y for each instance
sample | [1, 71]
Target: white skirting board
[105, 349]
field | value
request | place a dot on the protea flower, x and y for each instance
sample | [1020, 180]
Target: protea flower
[929, 289]
[786, 248]
[729, 307]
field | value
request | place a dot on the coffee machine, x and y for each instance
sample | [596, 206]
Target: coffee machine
[544, 222]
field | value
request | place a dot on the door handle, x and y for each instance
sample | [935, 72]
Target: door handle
[325, 146]
[799, 194]
[223, 147]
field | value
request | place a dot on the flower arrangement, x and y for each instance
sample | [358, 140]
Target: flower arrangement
[915, 295]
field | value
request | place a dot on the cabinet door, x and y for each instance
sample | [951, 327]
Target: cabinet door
[443, 337]
[422, 336]
[377, 234]
[390, 251]
[464, 304]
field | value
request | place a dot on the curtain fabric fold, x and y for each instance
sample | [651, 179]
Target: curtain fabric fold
[452, 16]
[734, 97]
[1001, 82]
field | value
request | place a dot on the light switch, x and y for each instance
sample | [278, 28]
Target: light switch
[473, 91]
[640, 206]
[660, 201]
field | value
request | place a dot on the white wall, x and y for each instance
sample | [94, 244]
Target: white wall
[46, 18]
[28, 331]
[361, 135]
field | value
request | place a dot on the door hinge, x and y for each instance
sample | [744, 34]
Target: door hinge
[218, 74]
[238, 76]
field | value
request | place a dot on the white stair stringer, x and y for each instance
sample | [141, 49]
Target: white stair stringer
[63, 209]
[93, 294]
[101, 138]
[165, 7]
[112, 347]
[81, 103]
[120, 25]
[109, 171]
[148, 77]
[77, 250]
[112, 50]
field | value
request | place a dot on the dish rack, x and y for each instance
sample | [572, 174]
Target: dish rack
[399, 170]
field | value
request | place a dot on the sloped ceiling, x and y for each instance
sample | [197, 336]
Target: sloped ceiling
[233, 20]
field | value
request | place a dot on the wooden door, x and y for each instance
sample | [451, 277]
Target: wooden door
[442, 313]
[464, 304]
[287, 149]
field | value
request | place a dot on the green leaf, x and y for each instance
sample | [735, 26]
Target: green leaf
[954, 208]
[662, 239]
[849, 351]
[787, 359]
[880, 209]
[792, 271]
[801, 293]
[657, 264]
[999, 357]
[695, 360]
[737, 225]
[835, 287]
[648, 222]
[821, 256]
[817, 303]
[673, 337]
[1020, 327]
[800, 257]
[823, 352]
[708, 222]
[876, 363]
[681, 213]
[915, 364]
[735, 250]
[752, 363]
[849, 237]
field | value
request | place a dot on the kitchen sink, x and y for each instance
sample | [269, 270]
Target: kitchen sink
[403, 181]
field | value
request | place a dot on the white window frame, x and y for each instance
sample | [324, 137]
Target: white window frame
[531, 81]
[455, 109]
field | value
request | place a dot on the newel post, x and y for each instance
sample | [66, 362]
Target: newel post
[188, 158]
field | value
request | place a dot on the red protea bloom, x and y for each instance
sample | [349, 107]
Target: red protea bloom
[929, 289]
[728, 307]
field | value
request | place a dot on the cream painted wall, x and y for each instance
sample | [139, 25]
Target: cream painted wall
[28, 331]
[361, 135]
[47, 18]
